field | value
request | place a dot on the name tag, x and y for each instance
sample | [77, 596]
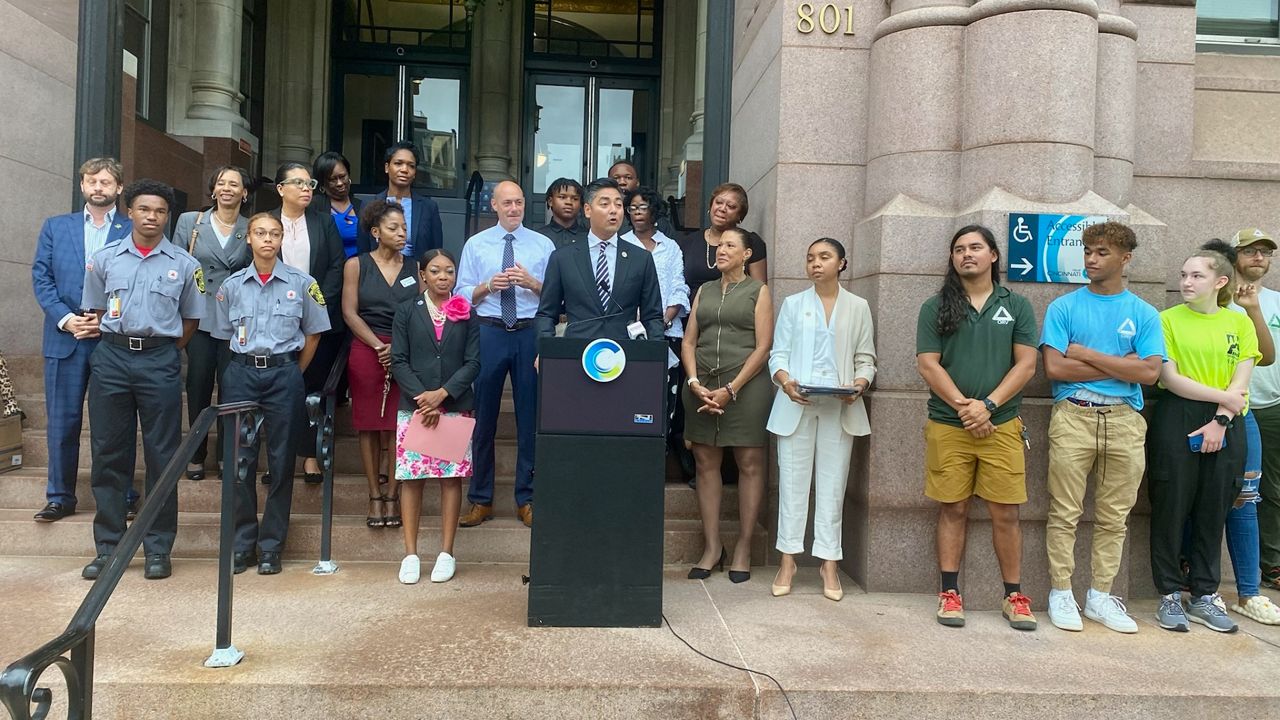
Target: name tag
[113, 307]
[408, 282]
[242, 335]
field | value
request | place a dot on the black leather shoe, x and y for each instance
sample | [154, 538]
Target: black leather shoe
[265, 479]
[131, 510]
[270, 564]
[158, 567]
[312, 478]
[242, 560]
[94, 568]
[54, 512]
[195, 471]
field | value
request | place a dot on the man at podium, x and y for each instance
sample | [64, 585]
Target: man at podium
[607, 287]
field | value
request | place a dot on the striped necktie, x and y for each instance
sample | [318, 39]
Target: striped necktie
[602, 275]
[507, 298]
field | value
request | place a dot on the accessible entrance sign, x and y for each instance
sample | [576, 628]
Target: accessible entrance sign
[1048, 248]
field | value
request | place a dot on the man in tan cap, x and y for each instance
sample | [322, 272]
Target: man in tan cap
[1256, 514]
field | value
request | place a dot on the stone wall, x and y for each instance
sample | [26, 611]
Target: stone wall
[38, 77]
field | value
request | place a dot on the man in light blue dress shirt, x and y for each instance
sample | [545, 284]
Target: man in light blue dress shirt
[501, 273]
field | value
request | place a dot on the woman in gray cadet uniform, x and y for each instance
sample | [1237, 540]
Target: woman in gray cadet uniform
[215, 237]
[149, 297]
[271, 315]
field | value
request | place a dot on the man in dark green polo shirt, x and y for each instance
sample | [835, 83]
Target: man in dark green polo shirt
[976, 348]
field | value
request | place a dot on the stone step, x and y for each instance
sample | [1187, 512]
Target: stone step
[25, 488]
[38, 415]
[502, 540]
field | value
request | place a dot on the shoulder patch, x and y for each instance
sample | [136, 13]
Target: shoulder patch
[314, 291]
[198, 276]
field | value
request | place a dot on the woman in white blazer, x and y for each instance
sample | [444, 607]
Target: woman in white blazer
[823, 338]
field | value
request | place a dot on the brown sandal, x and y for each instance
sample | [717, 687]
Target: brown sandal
[379, 520]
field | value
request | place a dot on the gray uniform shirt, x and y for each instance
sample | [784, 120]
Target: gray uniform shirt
[266, 318]
[144, 296]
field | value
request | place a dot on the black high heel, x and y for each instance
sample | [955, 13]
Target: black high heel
[697, 573]
[739, 576]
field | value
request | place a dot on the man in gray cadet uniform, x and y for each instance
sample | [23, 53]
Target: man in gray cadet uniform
[272, 315]
[148, 295]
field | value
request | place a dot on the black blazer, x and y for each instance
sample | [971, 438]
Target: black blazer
[320, 203]
[419, 362]
[570, 288]
[327, 257]
[426, 234]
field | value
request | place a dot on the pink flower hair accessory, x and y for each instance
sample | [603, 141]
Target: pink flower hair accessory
[456, 308]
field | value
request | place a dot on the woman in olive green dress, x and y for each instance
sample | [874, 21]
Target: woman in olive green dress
[727, 398]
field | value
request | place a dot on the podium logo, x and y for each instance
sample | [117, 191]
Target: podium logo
[603, 360]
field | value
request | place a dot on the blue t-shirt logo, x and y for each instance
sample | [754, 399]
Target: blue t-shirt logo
[1127, 328]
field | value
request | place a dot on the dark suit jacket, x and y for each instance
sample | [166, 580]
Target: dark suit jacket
[419, 362]
[570, 288]
[426, 234]
[327, 257]
[57, 274]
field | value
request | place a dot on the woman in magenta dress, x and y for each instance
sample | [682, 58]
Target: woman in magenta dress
[435, 357]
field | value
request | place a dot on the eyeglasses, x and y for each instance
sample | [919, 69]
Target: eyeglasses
[263, 233]
[639, 208]
[1252, 251]
[300, 183]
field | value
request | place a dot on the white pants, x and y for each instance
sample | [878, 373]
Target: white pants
[819, 437]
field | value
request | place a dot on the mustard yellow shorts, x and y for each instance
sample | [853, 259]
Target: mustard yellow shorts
[959, 466]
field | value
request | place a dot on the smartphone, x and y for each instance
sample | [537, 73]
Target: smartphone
[1197, 441]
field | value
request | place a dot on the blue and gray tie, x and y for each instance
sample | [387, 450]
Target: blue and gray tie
[507, 298]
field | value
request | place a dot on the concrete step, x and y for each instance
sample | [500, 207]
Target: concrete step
[38, 415]
[503, 539]
[25, 488]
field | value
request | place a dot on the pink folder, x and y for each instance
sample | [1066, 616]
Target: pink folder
[447, 441]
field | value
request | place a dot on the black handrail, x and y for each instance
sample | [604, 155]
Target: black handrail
[72, 651]
[475, 186]
[321, 408]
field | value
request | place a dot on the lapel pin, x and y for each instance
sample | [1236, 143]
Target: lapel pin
[624, 253]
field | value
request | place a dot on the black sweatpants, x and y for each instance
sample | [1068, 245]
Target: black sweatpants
[1189, 486]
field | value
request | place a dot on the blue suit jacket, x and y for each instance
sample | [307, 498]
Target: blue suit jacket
[426, 233]
[57, 274]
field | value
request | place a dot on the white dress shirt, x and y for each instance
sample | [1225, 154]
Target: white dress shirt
[295, 250]
[482, 259]
[669, 262]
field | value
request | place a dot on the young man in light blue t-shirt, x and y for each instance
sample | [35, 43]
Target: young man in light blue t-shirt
[1100, 344]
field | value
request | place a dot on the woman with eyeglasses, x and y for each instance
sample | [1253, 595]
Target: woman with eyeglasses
[312, 244]
[215, 237]
[644, 208]
[333, 184]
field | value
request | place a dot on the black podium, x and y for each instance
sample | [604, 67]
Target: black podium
[596, 552]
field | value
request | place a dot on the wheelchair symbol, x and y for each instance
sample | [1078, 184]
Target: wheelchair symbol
[1021, 232]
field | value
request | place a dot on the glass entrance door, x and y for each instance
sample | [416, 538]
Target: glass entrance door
[378, 104]
[581, 125]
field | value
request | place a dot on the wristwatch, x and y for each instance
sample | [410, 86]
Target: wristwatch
[691, 381]
[991, 407]
[1222, 420]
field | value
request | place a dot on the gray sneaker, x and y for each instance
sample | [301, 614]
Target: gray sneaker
[1170, 614]
[1205, 611]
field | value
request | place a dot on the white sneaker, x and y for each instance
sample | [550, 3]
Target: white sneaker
[444, 568]
[1064, 613]
[1110, 611]
[410, 569]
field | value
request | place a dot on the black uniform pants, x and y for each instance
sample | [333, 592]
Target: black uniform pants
[127, 387]
[1189, 486]
[279, 392]
[206, 358]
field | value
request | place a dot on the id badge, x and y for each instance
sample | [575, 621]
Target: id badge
[113, 307]
[242, 335]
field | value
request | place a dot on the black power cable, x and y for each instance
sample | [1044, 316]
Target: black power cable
[735, 667]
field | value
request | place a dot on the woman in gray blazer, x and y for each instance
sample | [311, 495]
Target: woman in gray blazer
[435, 356]
[216, 237]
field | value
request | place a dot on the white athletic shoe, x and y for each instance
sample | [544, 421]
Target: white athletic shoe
[444, 568]
[1064, 613]
[410, 569]
[1110, 611]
